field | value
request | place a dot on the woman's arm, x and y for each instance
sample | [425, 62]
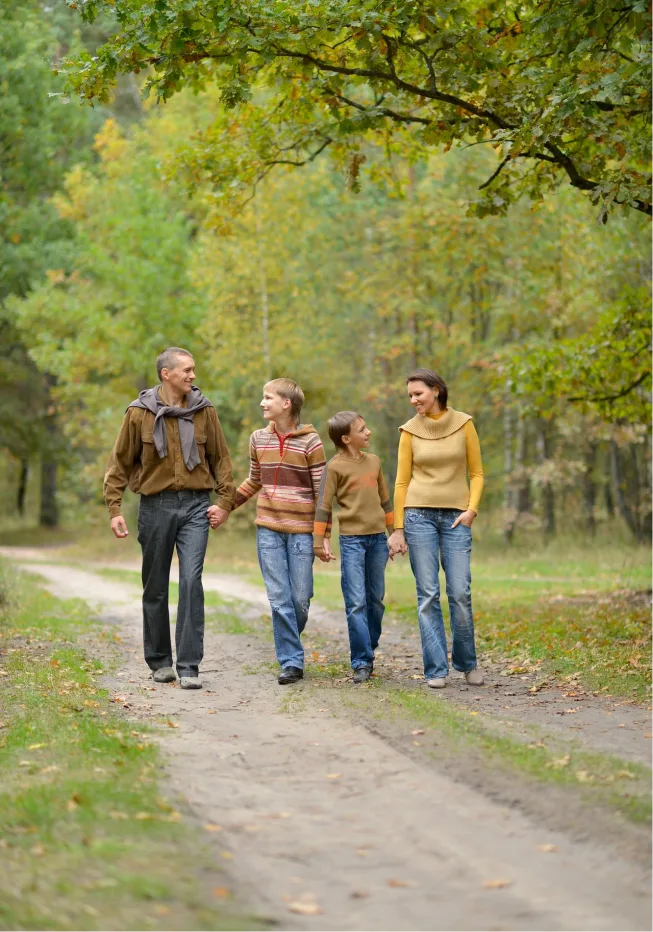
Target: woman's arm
[474, 467]
[404, 473]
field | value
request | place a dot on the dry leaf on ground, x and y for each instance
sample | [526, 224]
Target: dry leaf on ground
[417, 731]
[304, 908]
[496, 884]
[547, 848]
[401, 883]
[221, 892]
[212, 827]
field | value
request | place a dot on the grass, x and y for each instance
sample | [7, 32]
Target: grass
[600, 778]
[555, 605]
[87, 839]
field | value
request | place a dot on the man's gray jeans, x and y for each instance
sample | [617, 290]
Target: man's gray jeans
[167, 520]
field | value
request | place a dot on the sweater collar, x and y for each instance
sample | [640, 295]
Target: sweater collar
[428, 428]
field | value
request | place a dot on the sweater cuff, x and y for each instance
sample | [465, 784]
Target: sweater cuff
[115, 510]
[225, 503]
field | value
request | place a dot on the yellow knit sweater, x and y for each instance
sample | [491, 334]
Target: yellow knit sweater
[435, 454]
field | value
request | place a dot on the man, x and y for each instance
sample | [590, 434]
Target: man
[172, 451]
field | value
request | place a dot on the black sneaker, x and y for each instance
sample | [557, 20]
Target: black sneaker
[362, 674]
[290, 675]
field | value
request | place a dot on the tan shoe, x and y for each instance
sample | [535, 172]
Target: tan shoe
[438, 683]
[475, 677]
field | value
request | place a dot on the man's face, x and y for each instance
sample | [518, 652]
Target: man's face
[180, 378]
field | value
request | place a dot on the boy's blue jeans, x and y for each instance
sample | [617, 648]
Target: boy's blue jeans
[286, 562]
[429, 533]
[362, 562]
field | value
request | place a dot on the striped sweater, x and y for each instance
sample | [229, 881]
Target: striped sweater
[286, 470]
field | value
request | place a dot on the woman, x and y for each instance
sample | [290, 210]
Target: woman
[434, 512]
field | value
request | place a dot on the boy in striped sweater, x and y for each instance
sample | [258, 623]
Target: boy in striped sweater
[286, 463]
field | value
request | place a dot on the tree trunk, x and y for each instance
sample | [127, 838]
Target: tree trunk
[22, 487]
[545, 451]
[523, 479]
[508, 491]
[623, 504]
[589, 487]
[49, 516]
[49, 511]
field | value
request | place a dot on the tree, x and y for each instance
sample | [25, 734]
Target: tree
[561, 90]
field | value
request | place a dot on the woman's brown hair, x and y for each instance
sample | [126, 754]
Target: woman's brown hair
[433, 380]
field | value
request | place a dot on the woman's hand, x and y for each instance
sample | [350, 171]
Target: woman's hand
[324, 553]
[465, 517]
[397, 542]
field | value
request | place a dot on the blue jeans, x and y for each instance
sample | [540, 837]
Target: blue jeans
[165, 521]
[362, 561]
[286, 562]
[429, 533]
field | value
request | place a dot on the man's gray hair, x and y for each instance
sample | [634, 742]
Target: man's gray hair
[169, 357]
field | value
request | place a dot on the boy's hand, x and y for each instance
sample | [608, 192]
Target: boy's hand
[397, 543]
[324, 552]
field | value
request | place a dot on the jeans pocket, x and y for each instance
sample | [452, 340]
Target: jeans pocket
[411, 516]
[302, 545]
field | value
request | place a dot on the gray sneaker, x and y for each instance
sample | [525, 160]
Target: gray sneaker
[439, 682]
[164, 675]
[190, 682]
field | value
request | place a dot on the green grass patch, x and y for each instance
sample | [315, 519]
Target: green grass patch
[87, 841]
[599, 778]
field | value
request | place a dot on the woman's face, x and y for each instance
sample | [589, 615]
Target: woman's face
[422, 397]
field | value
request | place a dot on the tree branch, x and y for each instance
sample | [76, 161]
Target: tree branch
[625, 391]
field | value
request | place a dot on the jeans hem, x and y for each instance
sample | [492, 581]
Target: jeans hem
[467, 670]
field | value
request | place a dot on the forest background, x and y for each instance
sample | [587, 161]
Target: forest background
[145, 222]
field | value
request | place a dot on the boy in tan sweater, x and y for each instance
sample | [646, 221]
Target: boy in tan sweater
[355, 479]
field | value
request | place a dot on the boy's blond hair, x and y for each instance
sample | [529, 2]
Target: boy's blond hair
[286, 388]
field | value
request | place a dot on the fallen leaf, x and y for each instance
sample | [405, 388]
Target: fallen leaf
[333, 776]
[417, 731]
[358, 894]
[118, 699]
[496, 884]
[415, 676]
[304, 908]
[212, 827]
[558, 764]
[626, 773]
[401, 883]
[172, 724]
[211, 712]
[38, 851]
[34, 747]
[52, 768]
[417, 744]
[221, 892]
[315, 655]
[584, 776]
[547, 848]
[227, 855]
[473, 713]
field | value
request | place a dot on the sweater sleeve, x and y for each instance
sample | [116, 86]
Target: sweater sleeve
[474, 466]
[252, 484]
[404, 472]
[126, 450]
[386, 504]
[323, 511]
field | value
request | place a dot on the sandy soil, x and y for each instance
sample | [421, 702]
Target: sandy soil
[323, 824]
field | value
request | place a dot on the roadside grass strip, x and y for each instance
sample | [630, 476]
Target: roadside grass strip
[598, 778]
[87, 841]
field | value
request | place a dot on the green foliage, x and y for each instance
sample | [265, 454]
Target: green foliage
[559, 90]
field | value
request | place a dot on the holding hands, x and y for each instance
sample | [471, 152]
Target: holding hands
[216, 516]
[397, 543]
[324, 553]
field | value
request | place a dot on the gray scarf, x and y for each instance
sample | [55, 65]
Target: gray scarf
[150, 400]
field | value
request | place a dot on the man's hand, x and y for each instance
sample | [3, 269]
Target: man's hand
[119, 526]
[324, 553]
[216, 516]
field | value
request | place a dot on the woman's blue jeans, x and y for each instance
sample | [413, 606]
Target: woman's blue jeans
[362, 566]
[430, 538]
[286, 562]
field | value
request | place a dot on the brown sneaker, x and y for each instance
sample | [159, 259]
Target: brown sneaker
[475, 677]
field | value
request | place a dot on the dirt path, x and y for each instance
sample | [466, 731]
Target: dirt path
[324, 825]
